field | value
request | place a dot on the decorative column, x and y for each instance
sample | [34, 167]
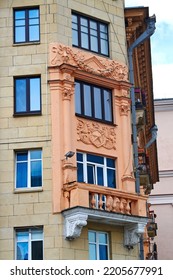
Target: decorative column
[69, 167]
[127, 178]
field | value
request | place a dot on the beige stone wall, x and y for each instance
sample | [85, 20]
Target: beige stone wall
[25, 132]
[21, 209]
[108, 10]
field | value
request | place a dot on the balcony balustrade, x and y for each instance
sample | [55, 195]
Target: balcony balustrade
[87, 202]
[103, 198]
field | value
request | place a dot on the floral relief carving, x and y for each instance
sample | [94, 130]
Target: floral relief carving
[92, 133]
[83, 61]
[67, 92]
[124, 109]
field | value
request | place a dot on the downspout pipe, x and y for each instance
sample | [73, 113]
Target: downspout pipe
[154, 130]
[144, 36]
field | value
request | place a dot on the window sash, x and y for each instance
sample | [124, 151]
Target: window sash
[98, 250]
[29, 244]
[90, 34]
[26, 27]
[95, 172]
[29, 171]
[27, 95]
[93, 102]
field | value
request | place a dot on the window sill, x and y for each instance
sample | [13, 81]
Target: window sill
[96, 120]
[26, 44]
[28, 190]
[26, 114]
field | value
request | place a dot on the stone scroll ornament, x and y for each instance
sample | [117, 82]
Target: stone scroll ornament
[89, 63]
[92, 133]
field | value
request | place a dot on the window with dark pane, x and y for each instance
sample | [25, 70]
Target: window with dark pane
[93, 102]
[26, 25]
[29, 169]
[29, 244]
[95, 169]
[90, 34]
[27, 95]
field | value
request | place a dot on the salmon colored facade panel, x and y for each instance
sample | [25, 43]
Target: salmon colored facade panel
[71, 132]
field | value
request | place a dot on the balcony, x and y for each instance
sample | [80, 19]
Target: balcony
[140, 104]
[87, 202]
[144, 173]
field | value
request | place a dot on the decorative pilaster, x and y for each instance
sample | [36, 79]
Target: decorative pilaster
[124, 109]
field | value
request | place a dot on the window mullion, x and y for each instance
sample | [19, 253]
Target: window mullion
[28, 94]
[29, 245]
[97, 246]
[98, 37]
[105, 173]
[102, 104]
[85, 168]
[29, 169]
[92, 102]
[27, 25]
[89, 35]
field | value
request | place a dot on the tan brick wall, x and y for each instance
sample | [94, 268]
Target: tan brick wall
[109, 11]
[27, 208]
[21, 209]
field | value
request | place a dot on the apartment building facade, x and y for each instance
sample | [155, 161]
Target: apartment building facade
[161, 198]
[67, 175]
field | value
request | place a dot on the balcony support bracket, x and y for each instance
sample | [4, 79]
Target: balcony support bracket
[74, 224]
[132, 234]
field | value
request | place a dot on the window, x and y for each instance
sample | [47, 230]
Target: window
[93, 102]
[27, 95]
[96, 170]
[29, 169]
[90, 34]
[29, 244]
[98, 245]
[26, 25]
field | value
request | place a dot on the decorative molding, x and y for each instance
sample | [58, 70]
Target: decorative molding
[127, 177]
[67, 92]
[124, 109]
[92, 133]
[163, 105]
[74, 224]
[161, 199]
[60, 54]
[132, 233]
[165, 173]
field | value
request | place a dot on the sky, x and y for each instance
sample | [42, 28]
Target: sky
[161, 45]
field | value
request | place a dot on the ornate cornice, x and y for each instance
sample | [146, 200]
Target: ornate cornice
[96, 134]
[80, 60]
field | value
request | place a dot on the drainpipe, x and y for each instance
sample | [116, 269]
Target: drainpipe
[144, 36]
[154, 130]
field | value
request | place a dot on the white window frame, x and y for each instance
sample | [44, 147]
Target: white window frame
[29, 240]
[29, 160]
[97, 243]
[104, 166]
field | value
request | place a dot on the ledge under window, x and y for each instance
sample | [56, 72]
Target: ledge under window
[28, 190]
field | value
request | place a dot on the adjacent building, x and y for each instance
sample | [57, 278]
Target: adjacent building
[161, 198]
[71, 146]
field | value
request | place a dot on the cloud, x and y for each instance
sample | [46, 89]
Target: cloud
[162, 81]
[161, 45]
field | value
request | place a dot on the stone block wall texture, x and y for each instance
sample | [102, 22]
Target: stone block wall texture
[34, 207]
